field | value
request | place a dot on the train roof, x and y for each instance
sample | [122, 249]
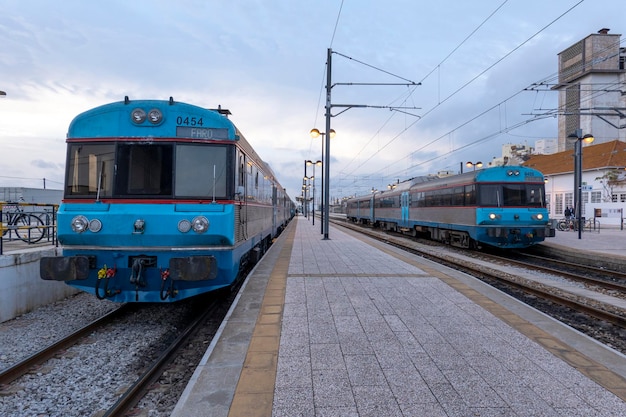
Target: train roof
[492, 174]
[152, 118]
[132, 119]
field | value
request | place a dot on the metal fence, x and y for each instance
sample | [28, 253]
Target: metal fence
[26, 224]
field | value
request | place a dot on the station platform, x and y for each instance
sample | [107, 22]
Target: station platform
[351, 327]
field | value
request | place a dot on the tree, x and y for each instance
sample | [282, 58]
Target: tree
[610, 180]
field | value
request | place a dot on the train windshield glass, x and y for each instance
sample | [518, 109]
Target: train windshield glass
[510, 195]
[144, 170]
[201, 171]
[90, 170]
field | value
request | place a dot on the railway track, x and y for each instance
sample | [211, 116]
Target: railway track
[22, 367]
[131, 397]
[553, 300]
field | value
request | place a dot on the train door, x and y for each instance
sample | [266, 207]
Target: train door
[372, 210]
[404, 208]
[241, 212]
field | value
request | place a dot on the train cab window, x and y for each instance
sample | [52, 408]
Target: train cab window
[514, 194]
[90, 170]
[201, 171]
[144, 170]
[490, 195]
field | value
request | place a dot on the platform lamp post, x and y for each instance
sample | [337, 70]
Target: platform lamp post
[474, 165]
[305, 207]
[578, 174]
[315, 133]
[318, 163]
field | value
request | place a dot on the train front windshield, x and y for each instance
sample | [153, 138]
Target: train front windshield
[104, 170]
[511, 195]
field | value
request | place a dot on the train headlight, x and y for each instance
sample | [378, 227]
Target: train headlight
[80, 224]
[184, 226]
[492, 216]
[200, 224]
[139, 226]
[538, 216]
[95, 225]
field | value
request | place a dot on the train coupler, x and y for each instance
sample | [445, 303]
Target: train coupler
[137, 276]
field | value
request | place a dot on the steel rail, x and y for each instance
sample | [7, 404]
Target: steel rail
[10, 374]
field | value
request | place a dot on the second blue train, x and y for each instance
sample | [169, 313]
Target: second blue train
[503, 207]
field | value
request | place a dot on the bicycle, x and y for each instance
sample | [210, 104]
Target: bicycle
[27, 227]
[566, 224]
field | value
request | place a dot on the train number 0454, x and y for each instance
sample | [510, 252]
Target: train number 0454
[189, 121]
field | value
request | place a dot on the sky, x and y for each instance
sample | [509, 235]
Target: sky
[418, 86]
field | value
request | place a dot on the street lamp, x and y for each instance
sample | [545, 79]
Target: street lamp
[578, 174]
[307, 187]
[474, 165]
[318, 163]
[315, 133]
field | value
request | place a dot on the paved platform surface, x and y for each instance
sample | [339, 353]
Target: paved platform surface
[609, 241]
[345, 327]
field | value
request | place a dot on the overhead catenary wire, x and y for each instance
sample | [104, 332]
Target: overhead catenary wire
[452, 95]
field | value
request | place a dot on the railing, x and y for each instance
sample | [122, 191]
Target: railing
[29, 223]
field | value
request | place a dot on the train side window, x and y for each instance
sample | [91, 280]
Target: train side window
[242, 170]
[470, 195]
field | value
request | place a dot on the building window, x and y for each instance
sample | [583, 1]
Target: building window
[596, 197]
[558, 204]
[569, 200]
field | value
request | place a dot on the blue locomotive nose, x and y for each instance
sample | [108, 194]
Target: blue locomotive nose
[163, 201]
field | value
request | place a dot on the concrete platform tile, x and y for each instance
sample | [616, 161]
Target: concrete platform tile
[322, 334]
[294, 371]
[355, 344]
[331, 388]
[423, 409]
[294, 310]
[597, 396]
[327, 356]
[408, 387]
[392, 359]
[341, 308]
[409, 343]
[428, 370]
[376, 401]
[336, 412]
[364, 370]
[477, 393]
[294, 326]
[395, 323]
[294, 347]
[293, 402]
[348, 325]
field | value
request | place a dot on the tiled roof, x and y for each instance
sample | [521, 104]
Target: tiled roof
[600, 156]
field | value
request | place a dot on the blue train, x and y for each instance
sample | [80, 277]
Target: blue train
[163, 201]
[504, 207]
